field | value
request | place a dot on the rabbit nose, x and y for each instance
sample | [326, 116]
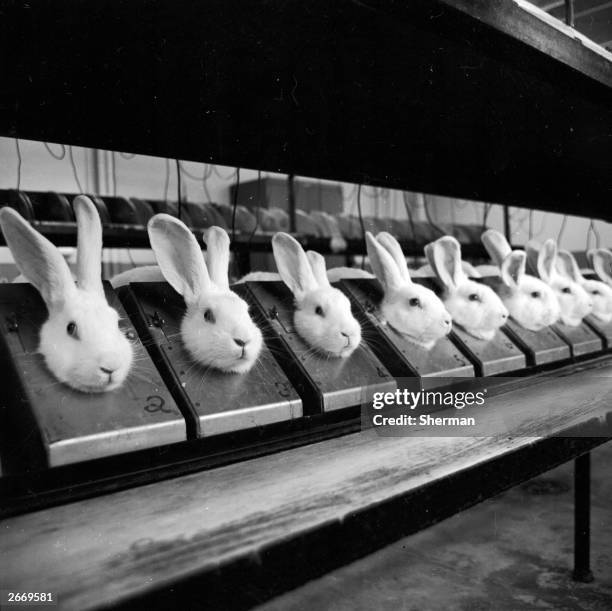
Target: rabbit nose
[240, 342]
[447, 322]
[107, 371]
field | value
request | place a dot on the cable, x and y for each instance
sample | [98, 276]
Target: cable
[562, 229]
[235, 205]
[19, 162]
[362, 224]
[114, 173]
[428, 215]
[221, 175]
[167, 182]
[178, 187]
[74, 169]
[59, 157]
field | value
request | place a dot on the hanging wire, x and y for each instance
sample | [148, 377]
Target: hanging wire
[235, 204]
[167, 182]
[428, 215]
[19, 162]
[592, 230]
[363, 232]
[562, 229]
[228, 177]
[114, 173]
[74, 169]
[410, 220]
[257, 207]
[531, 211]
[59, 157]
[205, 177]
[178, 188]
[485, 215]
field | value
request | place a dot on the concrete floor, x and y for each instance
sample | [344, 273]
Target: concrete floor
[513, 552]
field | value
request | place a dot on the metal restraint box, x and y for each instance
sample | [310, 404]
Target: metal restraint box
[212, 401]
[400, 356]
[325, 383]
[46, 423]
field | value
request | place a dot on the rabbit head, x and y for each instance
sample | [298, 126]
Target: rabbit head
[474, 306]
[530, 301]
[216, 329]
[322, 315]
[411, 309]
[80, 341]
[574, 302]
[599, 292]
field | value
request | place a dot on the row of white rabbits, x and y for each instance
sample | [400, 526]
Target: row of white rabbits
[83, 346]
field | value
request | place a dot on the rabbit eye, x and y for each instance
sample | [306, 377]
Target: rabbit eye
[566, 289]
[595, 292]
[71, 329]
[535, 294]
[414, 302]
[474, 297]
[209, 316]
[319, 311]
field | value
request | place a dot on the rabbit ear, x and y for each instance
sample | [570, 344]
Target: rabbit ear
[496, 245]
[179, 257]
[319, 269]
[293, 265]
[546, 260]
[513, 268]
[217, 255]
[89, 245]
[383, 265]
[601, 260]
[566, 264]
[391, 245]
[36, 258]
[444, 256]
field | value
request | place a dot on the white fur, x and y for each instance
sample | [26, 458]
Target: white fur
[601, 260]
[96, 356]
[574, 302]
[530, 301]
[145, 273]
[322, 315]
[599, 292]
[216, 329]
[475, 307]
[411, 309]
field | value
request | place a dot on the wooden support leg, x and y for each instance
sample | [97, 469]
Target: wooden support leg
[582, 519]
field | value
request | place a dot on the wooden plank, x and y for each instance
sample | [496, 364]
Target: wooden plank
[106, 549]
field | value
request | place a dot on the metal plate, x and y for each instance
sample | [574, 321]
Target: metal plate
[603, 329]
[400, 356]
[541, 347]
[216, 402]
[581, 339]
[493, 357]
[332, 383]
[66, 426]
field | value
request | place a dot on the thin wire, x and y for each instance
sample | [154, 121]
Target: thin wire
[428, 215]
[74, 169]
[178, 187]
[562, 229]
[114, 173]
[19, 162]
[59, 157]
[221, 175]
[485, 215]
[167, 182]
[235, 205]
[592, 229]
[531, 223]
[257, 207]
[362, 224]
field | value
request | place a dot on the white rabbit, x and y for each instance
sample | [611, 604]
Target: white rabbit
[530, 301]
[475, 307]
[599, 292]
[601, 260]
[322, 315]
[574, 302]
[216, 329]
[411, 309]
[81, 341]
